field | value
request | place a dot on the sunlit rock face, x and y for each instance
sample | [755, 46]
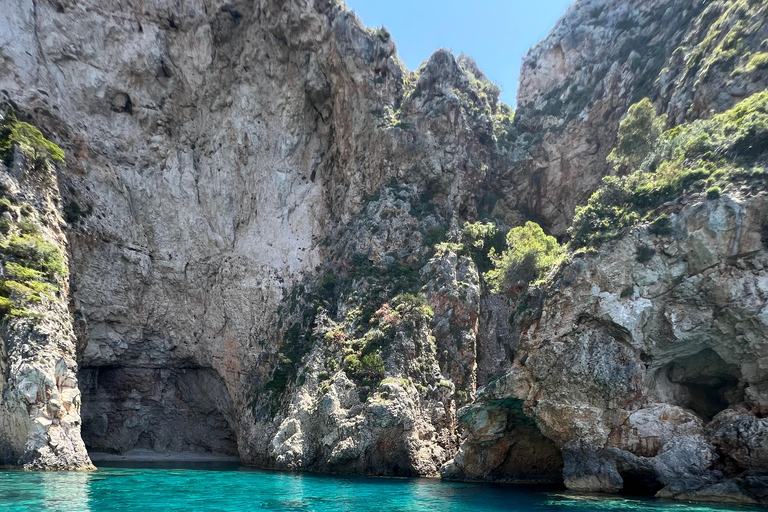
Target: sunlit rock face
[214, 152]
[690, 58]
[40, 403]
[255, 196]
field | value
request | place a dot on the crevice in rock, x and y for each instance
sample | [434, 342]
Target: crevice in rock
[161, 410]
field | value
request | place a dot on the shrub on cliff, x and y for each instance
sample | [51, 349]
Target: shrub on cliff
[637, 134]
[34, 252]
[529, 256]
[29, 140]
[728, 147]
[479, 240]
[369, 368]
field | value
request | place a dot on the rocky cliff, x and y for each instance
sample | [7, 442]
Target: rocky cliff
[266, 252]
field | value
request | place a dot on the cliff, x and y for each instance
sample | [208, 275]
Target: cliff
[266, 252]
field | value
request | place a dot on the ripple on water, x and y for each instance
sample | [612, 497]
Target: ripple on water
[230, 488]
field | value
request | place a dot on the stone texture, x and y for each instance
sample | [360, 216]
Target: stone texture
[39, 397]
[626, 384]
[263, 188]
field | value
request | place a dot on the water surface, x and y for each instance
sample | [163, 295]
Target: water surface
[230, 488]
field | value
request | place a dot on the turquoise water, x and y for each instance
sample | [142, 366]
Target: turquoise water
[232, 488]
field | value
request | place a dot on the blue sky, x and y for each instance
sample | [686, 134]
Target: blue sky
[496, 33]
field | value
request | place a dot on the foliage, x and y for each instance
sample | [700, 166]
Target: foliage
[758, 61]
[645, 253]
[662, 225]
[5, 205]
[34, 252]
[435, 235]
[368, 369]
[413, 308]
[637, 134]
[29, 140]
[480, 239]
[27, 210]
[503, 127]
[714, 192]
[723, 149]
[728, 27]
[530, 255]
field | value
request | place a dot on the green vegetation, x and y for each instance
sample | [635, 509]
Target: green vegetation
[637, 134]
[726, 148]
[758, 61]
[481, 240]
[645, 253]
[29, 140]
[369, 369]
[503, 127]
[662, 225]
[728, 25]
[530, 255]
[33, 267]
[714, 192]
[32, 251]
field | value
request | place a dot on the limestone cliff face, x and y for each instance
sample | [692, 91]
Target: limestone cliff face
[39, 398]
[215, 151]
[629, 365]
[690, 57]
[266, 259]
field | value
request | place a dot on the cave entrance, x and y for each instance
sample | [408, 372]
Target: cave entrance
[183, 412]
[531, 458]
[707, 384]
[640, 482]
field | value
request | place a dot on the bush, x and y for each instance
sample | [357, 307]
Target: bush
[368, 369]
[758, 61]
[480, 239]
[27, 210]
[28, 138]
[413, 308]
[714, 193]
[351, 365]
[28, 227]
[530, 255]
[662, 225]
[35, 253]
[5, 205]
[637, 134]
[435, 236]
[372, 367]
[645, 253]
[721, 148]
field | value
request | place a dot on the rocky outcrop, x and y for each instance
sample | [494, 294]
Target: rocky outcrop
[691, 58]
[39, 397]
[214, 152]
[645, 370]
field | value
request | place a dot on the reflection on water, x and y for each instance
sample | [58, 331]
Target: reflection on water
[65, 490]
[45, 491]
[229, 488]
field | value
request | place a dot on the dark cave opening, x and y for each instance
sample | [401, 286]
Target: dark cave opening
[531, 458]
[184, 410]
[640, 482]
[707, 384]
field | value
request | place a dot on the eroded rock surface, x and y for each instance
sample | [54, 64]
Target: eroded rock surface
[39, 398]
[265, 214]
